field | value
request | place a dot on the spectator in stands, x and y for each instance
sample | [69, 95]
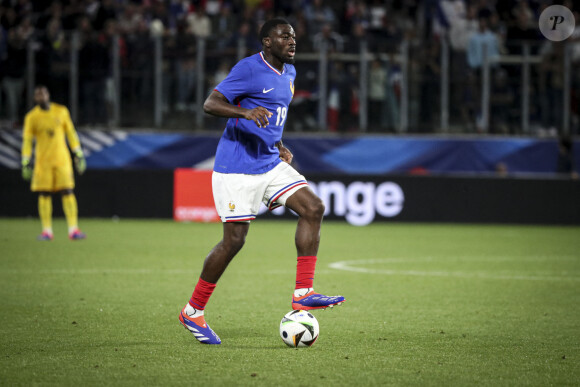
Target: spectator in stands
[54, 11]
[71, 13]
[552, 86]
[224, 25]
[14, 70]
[318, 14]
[430, 81]
[377, 95]
[482, 44]
[94, 67]
[186, 63]
[483, 40]
[358, 35]
[522, 32]
[502, 103]
[393, 92]
[106, 11]
[199, 23]
[250, 40]
[328, 38]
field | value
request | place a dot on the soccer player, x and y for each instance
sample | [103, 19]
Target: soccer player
[253, 166]
[50, 125]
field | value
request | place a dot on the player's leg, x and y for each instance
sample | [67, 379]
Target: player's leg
[45, 214]
[290, 189]
[236, 206]
[43, 184]
[65, 183]
[192, 315]
[70, 209]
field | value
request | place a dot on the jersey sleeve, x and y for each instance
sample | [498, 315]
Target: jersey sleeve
[27, 137]
[238, 82]
[71, 134]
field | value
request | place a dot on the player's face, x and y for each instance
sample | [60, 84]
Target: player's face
[41, 96]
[283, 43]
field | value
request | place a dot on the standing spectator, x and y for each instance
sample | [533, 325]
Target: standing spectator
[334, 41]
[185, 64]
[463, 25]
[94, 66]
[106, 11]
[482, 40]
[199, 23]
[318, 14]
[14, 70]
[552, 86]
[377, 95]
[522, 32]
[429, 84]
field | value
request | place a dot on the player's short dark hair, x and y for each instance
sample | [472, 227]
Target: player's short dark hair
[269, 25]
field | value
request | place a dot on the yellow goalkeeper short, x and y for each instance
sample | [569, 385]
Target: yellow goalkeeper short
[52, 179]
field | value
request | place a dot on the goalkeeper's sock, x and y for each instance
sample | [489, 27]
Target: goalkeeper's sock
[201, 294]
[304, 275]
[69, 206]
[45, 212]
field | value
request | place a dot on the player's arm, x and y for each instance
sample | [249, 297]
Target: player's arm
[285, 153]
[75, 144]
[218, 105]
[26, 153]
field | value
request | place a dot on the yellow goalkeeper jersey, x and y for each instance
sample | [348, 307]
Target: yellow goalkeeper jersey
[50, 129]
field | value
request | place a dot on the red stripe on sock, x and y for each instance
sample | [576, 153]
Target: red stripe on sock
[305, 271]
[201, 294]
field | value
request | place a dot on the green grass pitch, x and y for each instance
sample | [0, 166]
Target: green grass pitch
[427, 304]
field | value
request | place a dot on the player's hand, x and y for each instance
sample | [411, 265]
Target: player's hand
[259, 115]
[285, 154]
[80, 162]
[26, 169]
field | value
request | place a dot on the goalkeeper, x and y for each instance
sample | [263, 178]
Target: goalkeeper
[50, 126]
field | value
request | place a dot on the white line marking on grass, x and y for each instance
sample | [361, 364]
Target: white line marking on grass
[100, 271]
[353, 266]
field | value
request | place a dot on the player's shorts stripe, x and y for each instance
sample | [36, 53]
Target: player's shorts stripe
[240, 218]
[281, 192]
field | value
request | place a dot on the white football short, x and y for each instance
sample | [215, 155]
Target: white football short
[238, 196]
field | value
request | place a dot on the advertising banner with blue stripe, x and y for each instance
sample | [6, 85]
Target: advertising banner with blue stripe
[370, 155]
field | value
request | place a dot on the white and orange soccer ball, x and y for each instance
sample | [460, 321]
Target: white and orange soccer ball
[299, 328]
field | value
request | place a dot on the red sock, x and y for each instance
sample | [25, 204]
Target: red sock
[305, 272]
[201, 294]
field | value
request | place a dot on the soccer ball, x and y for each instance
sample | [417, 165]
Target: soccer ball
[299, 328]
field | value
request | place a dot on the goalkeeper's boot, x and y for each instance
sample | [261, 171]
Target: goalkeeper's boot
[45, 236]
[77, 235]
[313, 300]
[199, 328]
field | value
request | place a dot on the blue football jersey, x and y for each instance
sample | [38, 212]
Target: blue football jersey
[244, 147]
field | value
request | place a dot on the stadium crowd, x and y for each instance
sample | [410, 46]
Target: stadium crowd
[340, 25]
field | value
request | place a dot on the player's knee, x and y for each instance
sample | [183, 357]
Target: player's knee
[66, 192]
[235, 241]
[316, 208]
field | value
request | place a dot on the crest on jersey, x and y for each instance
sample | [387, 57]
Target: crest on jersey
[292, 88]
[232, 206]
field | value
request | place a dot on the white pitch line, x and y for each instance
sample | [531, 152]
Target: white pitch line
[350, 266]
[99, 271]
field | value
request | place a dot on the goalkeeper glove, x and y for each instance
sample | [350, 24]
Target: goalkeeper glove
[26, 169]
[80, 162]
